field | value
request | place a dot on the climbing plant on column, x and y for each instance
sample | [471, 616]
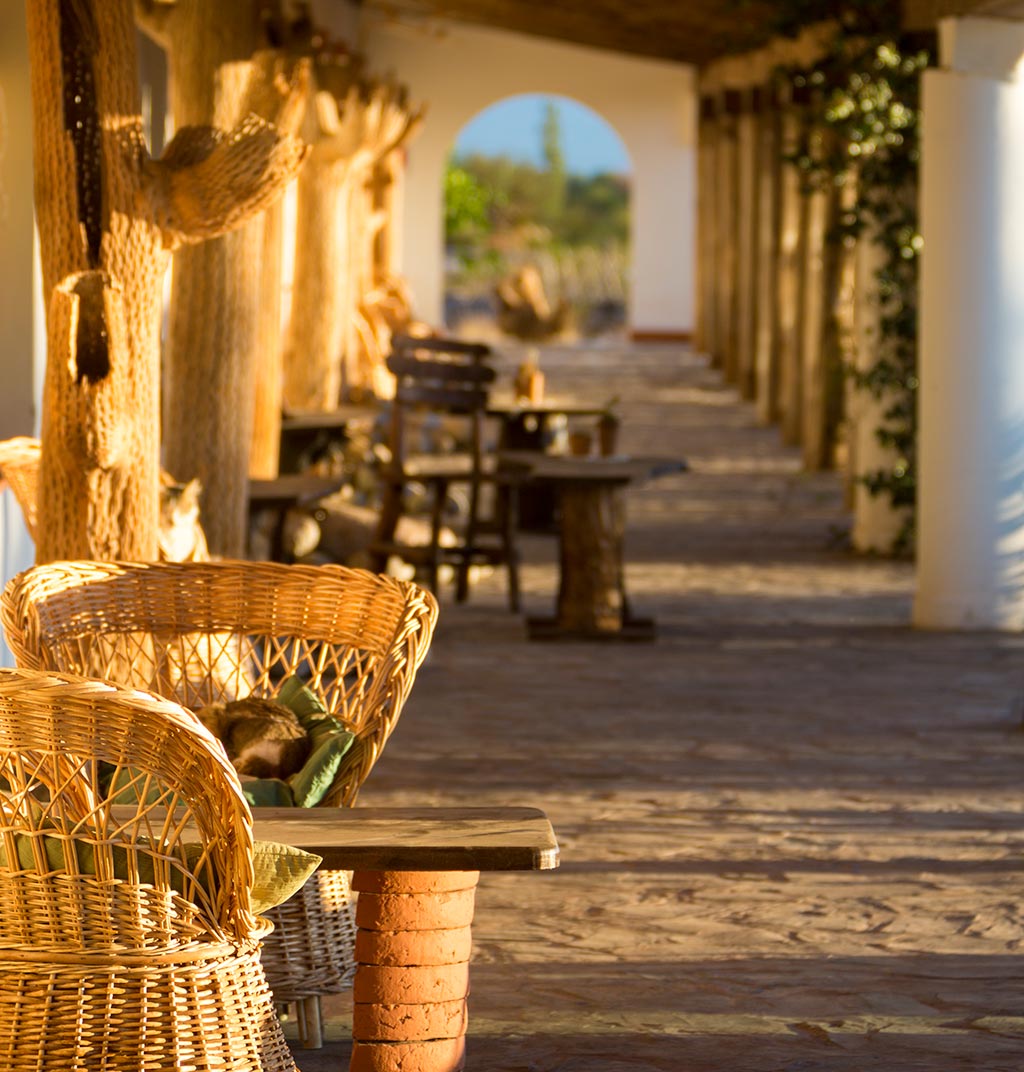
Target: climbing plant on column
[866, 90]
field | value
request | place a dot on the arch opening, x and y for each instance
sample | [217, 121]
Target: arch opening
[537, 202]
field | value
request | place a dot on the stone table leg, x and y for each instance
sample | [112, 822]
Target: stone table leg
[412, 970]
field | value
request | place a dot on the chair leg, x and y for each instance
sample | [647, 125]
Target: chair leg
[465, 556]
[311, 1027]
[510, 512]
[436, 519]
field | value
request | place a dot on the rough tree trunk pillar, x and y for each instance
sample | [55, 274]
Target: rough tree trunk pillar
[725, 235]
[99, 466]
[102, 258]
[108, 217]
[214, 343]
[265, 443]
[313, 354]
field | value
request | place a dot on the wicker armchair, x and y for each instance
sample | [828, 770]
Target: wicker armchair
[203, 632]
[19, 470]
[121, 946]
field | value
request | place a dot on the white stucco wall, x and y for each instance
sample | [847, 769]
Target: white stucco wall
[458, 71]
[22, 338]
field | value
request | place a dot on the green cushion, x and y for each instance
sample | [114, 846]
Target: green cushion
[330, 743]
[279, 870]
[267, 793]
[124, 788]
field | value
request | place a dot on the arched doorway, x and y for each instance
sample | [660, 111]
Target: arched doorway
[652, 106]
[537, 220]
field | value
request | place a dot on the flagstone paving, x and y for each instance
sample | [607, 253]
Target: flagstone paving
[791, 828]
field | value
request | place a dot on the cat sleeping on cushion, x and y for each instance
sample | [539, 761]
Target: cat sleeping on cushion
[262, 739]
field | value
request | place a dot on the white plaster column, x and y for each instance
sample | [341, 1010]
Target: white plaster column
[970, 571]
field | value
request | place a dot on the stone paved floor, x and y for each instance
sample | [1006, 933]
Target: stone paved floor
[791, 829]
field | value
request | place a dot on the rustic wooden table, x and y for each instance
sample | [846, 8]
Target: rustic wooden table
[592, 602]
[525, 425]
[284, 492]
[306, 437]
[415, 873]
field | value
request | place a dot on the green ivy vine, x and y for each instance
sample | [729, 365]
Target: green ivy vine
[866, 91]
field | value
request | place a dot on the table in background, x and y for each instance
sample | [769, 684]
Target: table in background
[527, 425]
[530, 426]
[284, 492]
[592, 603]
[307, 437]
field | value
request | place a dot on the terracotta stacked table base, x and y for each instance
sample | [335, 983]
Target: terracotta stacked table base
[412, 970]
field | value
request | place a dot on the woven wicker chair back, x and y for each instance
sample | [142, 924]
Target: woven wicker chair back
[203, 632]
[19, 470]
[121, 945]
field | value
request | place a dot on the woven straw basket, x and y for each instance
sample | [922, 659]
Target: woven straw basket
[99, 970]
[203, 632]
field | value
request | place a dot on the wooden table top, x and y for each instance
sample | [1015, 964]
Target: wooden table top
[592, 468]
[335, 418]
[292, 487]
[499, 406]
[416, 839]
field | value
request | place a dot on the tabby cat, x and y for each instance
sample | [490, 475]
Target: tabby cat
[181, 537]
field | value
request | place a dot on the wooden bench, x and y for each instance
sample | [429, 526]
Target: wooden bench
[415, 874]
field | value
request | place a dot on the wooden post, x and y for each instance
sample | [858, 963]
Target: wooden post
[355, 125]
[320, 294]
[792, 236]
[822, 369]
[748, 162]
[389, 123]
[707, 194]
[766, 336]
[725, 235]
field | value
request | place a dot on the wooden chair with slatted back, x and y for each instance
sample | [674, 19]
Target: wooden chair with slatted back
[451, 380]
